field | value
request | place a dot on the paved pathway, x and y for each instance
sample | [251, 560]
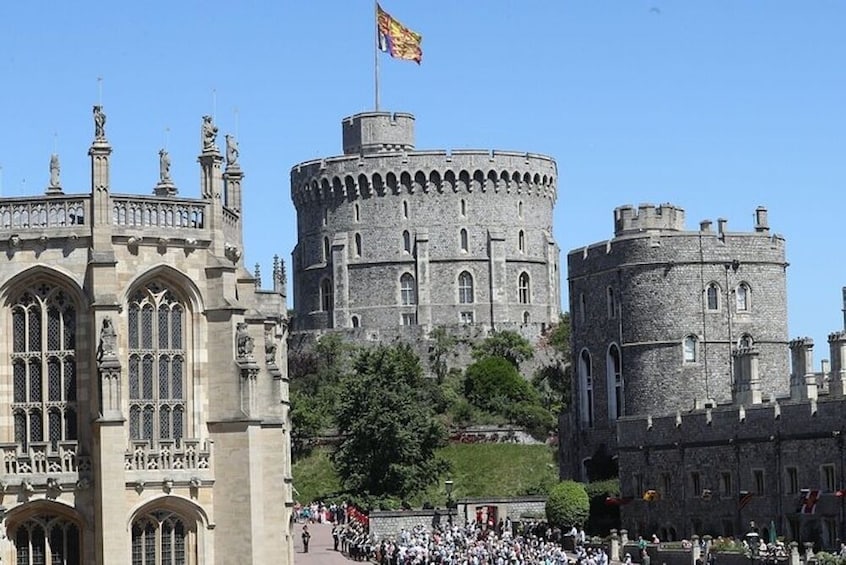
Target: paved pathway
[320, 550]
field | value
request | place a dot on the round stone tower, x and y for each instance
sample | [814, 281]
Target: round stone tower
[389, 236]
[659, 314]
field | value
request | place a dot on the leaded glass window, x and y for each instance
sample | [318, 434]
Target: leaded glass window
[156, 360]
[47, 540]
[159, 538]
[43, 366]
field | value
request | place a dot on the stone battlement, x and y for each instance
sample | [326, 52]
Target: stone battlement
[374, 132]
[648, 217]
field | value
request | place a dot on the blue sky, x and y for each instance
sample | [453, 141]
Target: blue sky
[717, 106]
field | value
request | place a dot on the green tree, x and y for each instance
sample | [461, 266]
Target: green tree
[568, 504]
[306, 423]
[493, 383]
[389, 435]
[443, 345]
[506, 344]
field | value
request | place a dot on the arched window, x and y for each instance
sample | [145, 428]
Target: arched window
[43, 360]
[582, 307]
[465, 288]
[463, 241]
[712, 296]
[463, 209]
[355, 321]
[742, 295]
[356, 212]
[520, 209]
[358, 245]
[157, 364]
[526, 318]
[690, 348]
[161, 538]
[523, 289]
[327, 301]
[586, 388]
[46, 537]
[404, 210]
[614, 383]
[521, 241]
[326, 250]
[611, 302]
[325, 216]
[745, 341]
[408, 293]
[406, 241]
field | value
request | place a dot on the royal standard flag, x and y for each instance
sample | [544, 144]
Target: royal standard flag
[396, 39]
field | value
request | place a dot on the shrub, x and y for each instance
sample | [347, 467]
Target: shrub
[567, 505]
[493, 382]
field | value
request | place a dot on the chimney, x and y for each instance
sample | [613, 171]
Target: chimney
[705, 226]
[721, 225]
[803, 381]
[761, 225]
[837, 347]
[747, 381]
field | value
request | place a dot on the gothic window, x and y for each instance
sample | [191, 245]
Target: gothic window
[465, 288]
[523, 289]
[327, 301]
[326, 250]
[586, 392]
[712, 296]
[742, 297]
[358, 245]
[463, 210]
[47, 539]
[355, 321]
[520, 209]
[43, 366]
[521, 241]
[408, 294]
[611, 302]
[157, 364]
[406, 241]
[463, 241]
[160, 538]
[615, 383]
[404, 210]
[690, 348]
[356, 212]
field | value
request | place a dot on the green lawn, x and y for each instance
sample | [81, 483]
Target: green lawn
[477, 470]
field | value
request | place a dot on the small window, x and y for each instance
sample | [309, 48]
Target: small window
[408, 294]
[689, 348]
[745, 341]
[637, 480]
[725, 483]
[408, 319]
[828, 478]
[358, 245]
[666, 484]
[523, 289]
[326, 250]
[465, 288]
[356, 212]
[404, 210]
[582, 307]
[758, 481]
[463, 209]
[611, 302]
[712, 296]
[325, 216]
[463, 240]
[742, 297]
[526, 317]
[355, 322]
[696, 483]
[406, 241]
[465, 317]
[326, 298]
[520, 209]
[791, 480]
[521, 241]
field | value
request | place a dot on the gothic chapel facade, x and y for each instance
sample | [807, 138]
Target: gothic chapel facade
[144, 414]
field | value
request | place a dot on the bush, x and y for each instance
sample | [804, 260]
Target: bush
[567, 505]
[492, 382]
[536, 419]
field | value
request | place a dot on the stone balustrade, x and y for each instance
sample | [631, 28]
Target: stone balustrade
[156, 212]
[43, 212]
[42, 458]
[169, 455]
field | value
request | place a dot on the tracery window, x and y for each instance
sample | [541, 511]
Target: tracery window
[43, 366]
[465, 288]
[408, 295]
[159, 538]
[47, 540]
[157, 364]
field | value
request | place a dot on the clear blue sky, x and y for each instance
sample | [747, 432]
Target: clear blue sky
[717, 106]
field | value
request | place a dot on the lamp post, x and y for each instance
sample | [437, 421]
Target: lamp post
[448, 485]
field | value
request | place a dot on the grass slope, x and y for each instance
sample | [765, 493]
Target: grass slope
[478, 470]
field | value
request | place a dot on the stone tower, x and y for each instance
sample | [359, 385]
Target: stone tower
[658, 314]
[389, 236]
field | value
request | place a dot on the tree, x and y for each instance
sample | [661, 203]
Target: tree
[493, 383]
[568, 505]
[442, 347]
[506, 344]
[389, 434]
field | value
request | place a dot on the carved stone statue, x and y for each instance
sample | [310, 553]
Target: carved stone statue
[55, 171]
[99, 123]
[245, 341]
[164, 166]
[231, 151]
[270, 347]
[209, 135]
[108, 339]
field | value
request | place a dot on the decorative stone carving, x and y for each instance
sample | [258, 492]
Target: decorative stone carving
[209, 133]
[195, 482]
[99, 123]
[84, 483]
[232, 151]
[270, 347]
[167, 485]
[108, 340]
[55, 186]
[245, 342]
[164, 166]
[139, 486]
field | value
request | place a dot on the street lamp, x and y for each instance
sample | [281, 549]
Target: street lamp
[448, 484]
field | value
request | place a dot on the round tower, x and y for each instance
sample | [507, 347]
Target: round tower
[658, 311]
[390, 236]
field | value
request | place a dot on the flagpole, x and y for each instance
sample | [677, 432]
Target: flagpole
[376, 51]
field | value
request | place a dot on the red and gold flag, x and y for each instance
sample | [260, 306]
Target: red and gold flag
[396, 39]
